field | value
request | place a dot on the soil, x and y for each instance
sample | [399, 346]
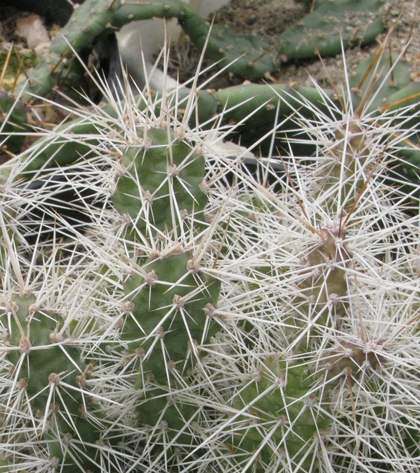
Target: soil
[269, 18]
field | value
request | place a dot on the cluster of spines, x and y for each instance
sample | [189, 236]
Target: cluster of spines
[310, 382]
[168, 321]
[292, 350]
[145, 324]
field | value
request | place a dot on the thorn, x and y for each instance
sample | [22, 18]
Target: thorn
[353, 407]
[362, 190]
[60, 60]
[373, 62]
[3, 72]
[267, 51]
[410, 35]
[398, 102]
[267, 75]
[298, 198]
[339, 96]
[391, 64]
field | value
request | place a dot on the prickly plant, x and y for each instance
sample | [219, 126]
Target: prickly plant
[47, 323]
[202, 318]
[331, 23]
[322, 320]
[73, 322]
[354, 22]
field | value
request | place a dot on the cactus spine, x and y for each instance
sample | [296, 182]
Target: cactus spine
[319, 343]
[127, 322]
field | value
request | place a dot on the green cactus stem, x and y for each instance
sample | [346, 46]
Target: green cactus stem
[88, 21]
[147, 10]
[167, 318]
[293, 403]
[167, 325]
[160, 183]
[283, 397]
[96, 17]
[48, 370]
[243, 55]
[331, 26]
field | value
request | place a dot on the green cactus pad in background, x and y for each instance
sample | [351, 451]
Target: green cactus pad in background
[331, 26]
[131, 11]
[257, 107]
[378, 69]
[243, 55]
[88, 21]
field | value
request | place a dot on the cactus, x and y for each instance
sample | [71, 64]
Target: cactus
[14, 62]
[204, 319]
[253, 108]
[57, 345]
[48, 369]
[244, 55]
[307, 378]
[50, 416]
[88, 21]
[159, 191]
[331, 25]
